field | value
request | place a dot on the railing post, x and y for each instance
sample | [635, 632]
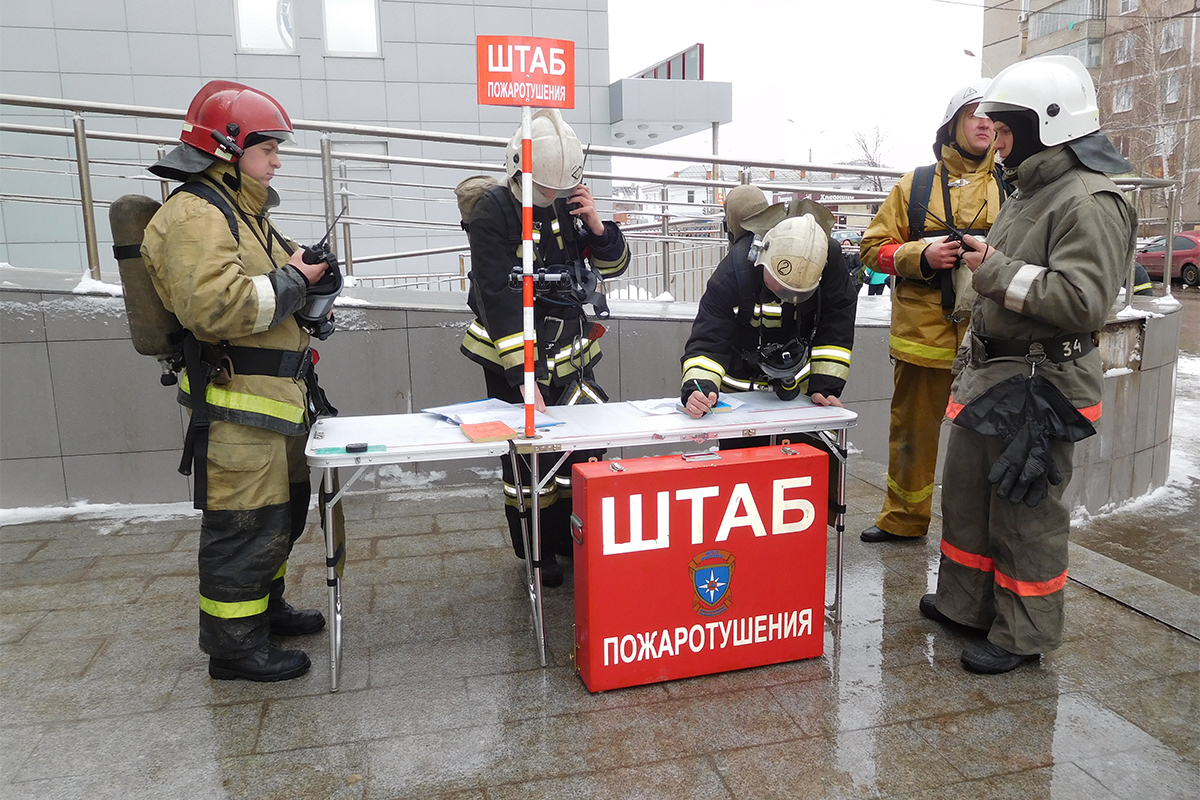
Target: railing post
[666, 245]
[327, 187]
[347, 250]
[85, 197]
[1169, 255]
[162, 185]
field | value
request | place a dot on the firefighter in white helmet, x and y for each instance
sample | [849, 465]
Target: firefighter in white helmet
[1029, 379]
[573, 250]
[236, 284]
[778, 312]
[931, 300]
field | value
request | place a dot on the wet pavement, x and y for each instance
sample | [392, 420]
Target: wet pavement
[106, 695]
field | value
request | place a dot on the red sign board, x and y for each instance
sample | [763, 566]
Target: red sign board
[525, 71]
[694, 567]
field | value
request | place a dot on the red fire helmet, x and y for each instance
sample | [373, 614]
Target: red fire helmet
[224, 110]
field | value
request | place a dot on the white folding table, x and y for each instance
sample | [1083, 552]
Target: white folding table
[404, 438]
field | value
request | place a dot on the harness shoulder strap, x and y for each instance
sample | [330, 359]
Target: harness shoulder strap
[918, 201]
[747, 293]
[213, 196]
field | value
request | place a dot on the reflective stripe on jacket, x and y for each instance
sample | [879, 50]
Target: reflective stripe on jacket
[1063, 243]
[721, 336]
[495, 339]
[236, 291]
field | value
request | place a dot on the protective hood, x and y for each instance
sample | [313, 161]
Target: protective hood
[1096, 152]
[182, 162]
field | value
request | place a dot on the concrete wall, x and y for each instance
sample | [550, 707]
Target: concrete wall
[83, 417]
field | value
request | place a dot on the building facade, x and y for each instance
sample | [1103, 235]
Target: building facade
[399, 63]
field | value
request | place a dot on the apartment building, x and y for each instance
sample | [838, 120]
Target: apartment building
[1144, 56]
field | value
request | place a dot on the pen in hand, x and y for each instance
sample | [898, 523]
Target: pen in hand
[702, 394]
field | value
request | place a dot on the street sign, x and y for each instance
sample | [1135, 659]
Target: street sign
[525, 71]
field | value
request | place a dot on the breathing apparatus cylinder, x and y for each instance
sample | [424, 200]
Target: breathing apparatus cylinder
[155, 331]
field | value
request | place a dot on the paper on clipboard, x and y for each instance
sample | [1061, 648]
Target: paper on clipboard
[491, 409]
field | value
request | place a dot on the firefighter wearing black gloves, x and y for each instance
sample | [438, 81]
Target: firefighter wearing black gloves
[931, 300]
[576, 249]
[1029, 377]
[235, 284]
[780, 319]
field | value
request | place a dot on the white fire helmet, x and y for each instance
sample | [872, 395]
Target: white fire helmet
[971, 93]
[1058, 89]
[794, 252]
[557, 154]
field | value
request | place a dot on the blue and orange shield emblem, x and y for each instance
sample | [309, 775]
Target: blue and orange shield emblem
[712, 572]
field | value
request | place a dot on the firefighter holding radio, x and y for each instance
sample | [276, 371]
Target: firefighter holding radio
[574, 249]
[247, 300]
[778, 312]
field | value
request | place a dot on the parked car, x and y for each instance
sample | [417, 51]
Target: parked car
[847, 238]
[1185, 261]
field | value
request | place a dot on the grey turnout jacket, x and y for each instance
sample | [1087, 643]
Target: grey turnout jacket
[1064, 242]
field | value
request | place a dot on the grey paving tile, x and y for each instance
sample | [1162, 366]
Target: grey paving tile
[14, 627]
[1031, 734]
[138, 743]
[690, 778]
[862, 763]
[1059, 782]
[1166, 708]
[1147, 773]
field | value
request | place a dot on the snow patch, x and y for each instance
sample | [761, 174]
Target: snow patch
[89, 285]
[83, 510]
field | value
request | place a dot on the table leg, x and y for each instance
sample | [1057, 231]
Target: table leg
[332, 581]
[840, 455]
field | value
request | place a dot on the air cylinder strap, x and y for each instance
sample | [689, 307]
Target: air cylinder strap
[195, 443]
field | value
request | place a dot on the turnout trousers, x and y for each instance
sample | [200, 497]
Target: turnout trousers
[1004, 565]
[258, 493]
[918, 406]
[554, 500]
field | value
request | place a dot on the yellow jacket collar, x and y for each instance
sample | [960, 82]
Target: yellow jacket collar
[957, 165]
[252, 196]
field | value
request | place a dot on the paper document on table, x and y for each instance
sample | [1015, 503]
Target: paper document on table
[663, 405]
[491, 409]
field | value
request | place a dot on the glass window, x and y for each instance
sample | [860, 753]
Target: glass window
[352, 27]
[1123, 99]
[1129, 6]
[1170, 88]
[1172, 36]
[265, 26]
[1126, 48]
[1183, 243]
[1062, 15]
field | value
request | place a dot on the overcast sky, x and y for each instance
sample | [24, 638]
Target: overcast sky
[833, 67]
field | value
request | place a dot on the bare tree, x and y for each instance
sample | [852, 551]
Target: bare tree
[870, 145]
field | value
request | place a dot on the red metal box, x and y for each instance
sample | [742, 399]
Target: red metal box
[688, 567]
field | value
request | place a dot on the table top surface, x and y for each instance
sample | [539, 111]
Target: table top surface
[400, 438]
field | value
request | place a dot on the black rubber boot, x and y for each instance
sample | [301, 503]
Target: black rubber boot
[267, 664]
[288, 621]
[992, 659]
[877, 534]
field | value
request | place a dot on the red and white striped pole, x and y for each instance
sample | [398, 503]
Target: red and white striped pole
[527, 265]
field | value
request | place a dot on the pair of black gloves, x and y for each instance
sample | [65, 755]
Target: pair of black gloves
[1027, 413]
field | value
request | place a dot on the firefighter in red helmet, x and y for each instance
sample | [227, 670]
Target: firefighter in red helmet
[236, 285]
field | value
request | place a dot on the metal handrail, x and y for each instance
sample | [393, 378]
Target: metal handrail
[658, 210]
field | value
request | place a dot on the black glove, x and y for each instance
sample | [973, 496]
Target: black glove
[1025, 470]
[783, 392]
